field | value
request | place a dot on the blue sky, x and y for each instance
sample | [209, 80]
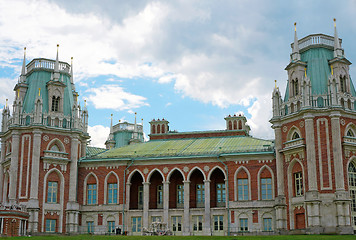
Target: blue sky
[191, 62]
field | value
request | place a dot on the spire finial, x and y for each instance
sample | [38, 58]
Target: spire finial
[39, 92]
[85, 103]
[56, 65]
[23, 72]
[18, 93]
[275, 83]
[6, 101]
[337, 47]
[295, 54]
[305, 72]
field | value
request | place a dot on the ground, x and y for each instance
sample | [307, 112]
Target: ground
[279, 237]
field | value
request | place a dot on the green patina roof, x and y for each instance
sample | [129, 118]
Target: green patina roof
[39, 79]
[92, 151]
[188, 147]
[318, 69]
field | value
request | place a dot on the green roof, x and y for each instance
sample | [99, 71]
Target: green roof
[38, 79]
[318, 69]
[92, 151]
[187, 147]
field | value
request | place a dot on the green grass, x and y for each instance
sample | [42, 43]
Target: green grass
[278, 237]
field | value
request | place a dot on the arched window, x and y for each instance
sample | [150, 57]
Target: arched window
[158, 129]
[112, 189]
[240, 124]
[230, 125]
[55, 148]
[28, 120]
[64, 124]
[352, 187]
[153, 129]
[235, 125]
[242, 185]
[91, 190]
[350, 133]
[343, 84]
[295, 136]
[296, 87]
[163, 129]
[55, 104]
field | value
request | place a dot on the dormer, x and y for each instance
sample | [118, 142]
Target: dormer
[237, 122]
[159, 126]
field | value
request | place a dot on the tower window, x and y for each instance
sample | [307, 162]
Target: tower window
[295, 135]
[55, 104]
[343, 84]
[350, 133]
[296, 87]
[298, 182]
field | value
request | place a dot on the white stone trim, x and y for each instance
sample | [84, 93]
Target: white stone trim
[248, 180]
[213, 169]
[172, 171]
[24, 138]
[61, 198]
[259, 181]
[192, 170]
[132, 173]
[106, 187]
[152, 171]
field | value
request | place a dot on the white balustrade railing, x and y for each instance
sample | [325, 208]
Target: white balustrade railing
[316, 39]
[47, 64]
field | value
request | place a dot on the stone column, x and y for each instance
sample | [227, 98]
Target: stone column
[72, 205]
[281, 213]
[125, 218]
[337, 151]
[3, 151]
[166, 202]
[186, 223]
[14, 166]
[207, 226]
[310, 146]
[146, 200]
[33, 205]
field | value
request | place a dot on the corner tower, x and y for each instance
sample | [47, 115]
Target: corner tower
[41, 143]
[313, 151]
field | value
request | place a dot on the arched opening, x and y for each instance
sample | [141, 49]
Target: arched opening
[342, 103]
[343, 84]
[299, 218]
[235, 124]
[242, 185]
[197, 189]
[349, 104]
[297, 176]
[320, 102]
[55, 148]
[295, 135]
[352, 189]
[28, 120]
[163, 129]
[53, 188]
[136, 191]
[240, 124]
[158, 129]
[176, 190]
[56, 122]
[296, 87]
[49, 121]
[55, 104]
[111, 189]
[92, 190]
[217, 189]
[285, 109]
[350, 133]
[292, 107]
[156, 191]
[64, 124]
[298, 105]
[266, 184]
[230, 125]
[153, 129]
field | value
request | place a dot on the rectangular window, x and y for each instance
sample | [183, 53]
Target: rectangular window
[1, 225]
[90, 225]
[52, 192]
[112, 193]
[220, 194]
[176, 223]
[218, 223]
[140, 197]
[159, 196]
[136, 224]
[266, 188]
[91, 194]
[298, 182]
[50, 225]
[200, 195]
[111, 226]
[243, 225]
[242, 189]
[157, 219]
[353, 200]
[180, 195]
[267, 224]
[198, 223]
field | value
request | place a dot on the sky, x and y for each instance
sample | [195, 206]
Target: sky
[190, 62]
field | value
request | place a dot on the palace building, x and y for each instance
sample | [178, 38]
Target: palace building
[220, 182]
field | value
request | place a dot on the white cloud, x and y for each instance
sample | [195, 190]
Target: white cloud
[99, 135]
[6, 90]
[114, 97]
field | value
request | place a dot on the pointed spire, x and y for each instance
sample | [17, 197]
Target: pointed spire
[23, 71]
[337, 47]
[71, 74]
[295, 53]
[56, 67]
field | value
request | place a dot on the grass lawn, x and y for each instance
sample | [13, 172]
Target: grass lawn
[279, 237]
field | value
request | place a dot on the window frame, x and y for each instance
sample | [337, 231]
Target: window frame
[243, 225]
[267, 224]
[198, 221]
[298, 184]
[200, 195]
[91, 194]
[245, 191]
[111, 226]
[177, 225]
[112, 193]
[218, 223]
[136, 224]
[220, 194]
[51, 225]
[265, 186]
[52, 192]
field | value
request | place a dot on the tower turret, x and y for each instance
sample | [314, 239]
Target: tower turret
[237, 122]
[159, 126]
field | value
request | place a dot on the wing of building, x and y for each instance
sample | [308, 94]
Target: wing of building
[220, 182]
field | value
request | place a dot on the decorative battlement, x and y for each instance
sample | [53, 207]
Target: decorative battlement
[47, 64]
[316, 40]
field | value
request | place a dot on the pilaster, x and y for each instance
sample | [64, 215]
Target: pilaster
[146, 199]
[14, 166]
[165, 201]
[2, 169]
[207, 220]
[310, 146]
[186, 223]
